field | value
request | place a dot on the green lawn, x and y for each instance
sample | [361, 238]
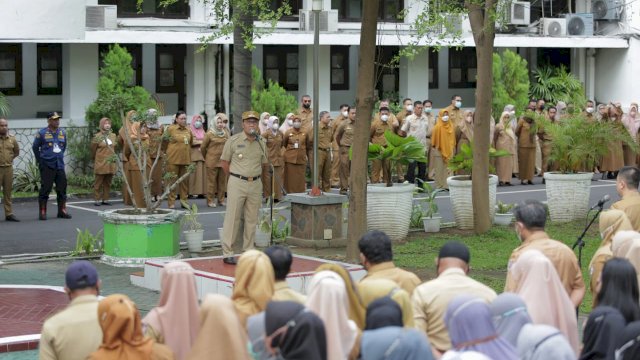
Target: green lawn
[490, 252]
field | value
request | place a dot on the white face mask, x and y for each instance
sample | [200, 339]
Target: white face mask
[275, 126]
[345, 113]
[427, 110]
[590, 110]
[409, 108]
[265, 121]
[297, 125]
[290, 122]
[445, 118]
[458, 104]
[384, 118]
[614, 118]
[197, 124]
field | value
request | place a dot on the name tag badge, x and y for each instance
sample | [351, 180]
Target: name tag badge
[295, 145]
[56, 148]
[109, 142]
[186, 141]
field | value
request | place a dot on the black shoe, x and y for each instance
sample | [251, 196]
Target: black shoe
[544, 181]
[12, 218]
[106, 203]
[507, 184]
[530, 182]
[501, 183]
[522, 182]
[230, 261]
[97, 203]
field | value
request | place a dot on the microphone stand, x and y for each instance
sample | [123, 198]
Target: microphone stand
[580, 243]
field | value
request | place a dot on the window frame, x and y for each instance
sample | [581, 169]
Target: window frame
[343, 16]
[466, 60]
[178, 51]
[344, 51]
[185, 14]
[433, 64]
[281, 52]
[56, 50]
[16, 50]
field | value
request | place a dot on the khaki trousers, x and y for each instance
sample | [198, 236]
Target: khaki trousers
[335, 164]
[380, 169]
[345, 168]
[178, 170]
[216, 184]
[545, 150]
[102, 187]
[324, 170]
[6, 181]
[244, 198]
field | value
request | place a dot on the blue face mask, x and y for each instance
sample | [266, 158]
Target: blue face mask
[427, 109]
[458, 104]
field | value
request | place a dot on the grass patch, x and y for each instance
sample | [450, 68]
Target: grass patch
[490, 252]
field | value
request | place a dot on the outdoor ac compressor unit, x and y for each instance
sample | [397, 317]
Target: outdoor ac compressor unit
[579, 24]
[607, 9]
[553, 27]
[328, 20]
[519, 13]
[102, 17]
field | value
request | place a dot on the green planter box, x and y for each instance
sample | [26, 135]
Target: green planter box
[130, 240]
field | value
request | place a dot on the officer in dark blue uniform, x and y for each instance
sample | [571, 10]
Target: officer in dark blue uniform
[48, 148]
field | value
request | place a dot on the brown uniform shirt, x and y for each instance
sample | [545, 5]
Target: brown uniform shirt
[325, 134]
[179, 147]
[630, 204]
[155, 142]
[102, 148]
[212, 146]
[387, 270]
[245, 156]
[335, 124]
[376, 134]
[133, 162]
[401, 116]
[562, 257]
[525, 138]
[274, 147]
[346, 133]
[9, 150]
[306, 116]
[295, 146]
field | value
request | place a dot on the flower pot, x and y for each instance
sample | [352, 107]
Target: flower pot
[461, 203]
[262, 237]
[503, 219]
[431, 224]
[194, 240]
[389, 209]
[568, 195]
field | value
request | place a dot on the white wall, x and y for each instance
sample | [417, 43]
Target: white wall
[79, 79]
[617, 72]
[43, 19]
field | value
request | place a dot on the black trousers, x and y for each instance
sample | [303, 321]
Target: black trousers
[48, 177]
[411, 171]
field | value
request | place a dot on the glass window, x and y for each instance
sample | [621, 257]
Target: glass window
[49, 69]
[433, 69]
[170, 68]
[462, 68]
[281, 66]
[387, 71]
[339, 67]
[150, 8]
[351, 10]
[11, 69]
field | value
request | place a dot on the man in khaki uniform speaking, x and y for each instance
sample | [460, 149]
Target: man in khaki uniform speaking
[179, 157]
[242, 159]
[9, 150]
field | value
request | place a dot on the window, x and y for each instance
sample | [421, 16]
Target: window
[49, 69]
[351, 10]
[433, 69]
[340, 68]
[462, 68]
[150, 8]
[135, 50]
[295, 5]
[387, 71]
[170, 68]
[11, 69]
[281, 66]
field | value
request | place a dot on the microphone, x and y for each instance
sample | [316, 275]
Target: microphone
[602, 201]
[255, 133]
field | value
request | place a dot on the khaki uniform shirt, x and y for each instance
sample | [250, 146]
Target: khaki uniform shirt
[335, 124]
[525, 137]
[179, 147]
[346, 133]
[455, 115]
[244, 156]
[133, 162]
[325, 134]
[430, 301]
[274, 147]
[387, 270]
[401, 116]
[562, 257]
[102, 148]
[212, 146]
[73, 333]
[376, 134]
[295, 146]
[630, 204]
[155, 142]
[282, 292]
[9, 150]
[306, 117]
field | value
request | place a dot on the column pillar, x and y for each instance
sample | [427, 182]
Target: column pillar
[305, 74]
[79, 79]
[195, 86]
[414, 76]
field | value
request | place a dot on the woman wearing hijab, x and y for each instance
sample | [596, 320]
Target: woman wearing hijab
[540, 287]
[294, 333]
[611, 221]
[513, 124]
[287, 123]
[373, 289]
[619, 288]
[263, 124]
[509, 316]
[273, 138]
[122, 143]
[468, 320]
[543, 342]
[505, 139]
[628, 346]
[464, 355]
[631, 122]
[613, 160]
[464, 133]
[102, 147]
[253, 286]
[443, 143]
[295, 142]
[211, 148]
[602, 330]
[356, 306]
[197, 181]
[139, 138]
[526, 149]
[174, 322]
[221, 336]
[122, 336]
[327, 298]
[622, 242]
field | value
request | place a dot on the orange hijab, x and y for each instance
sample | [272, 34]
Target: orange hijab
[254, 284]
[443, 137]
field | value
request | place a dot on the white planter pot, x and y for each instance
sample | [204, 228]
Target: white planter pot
[461, 203]
[389, 209]
[503, 219]
[194, 239]
[262, 238]
[568, 195]
[431, 224]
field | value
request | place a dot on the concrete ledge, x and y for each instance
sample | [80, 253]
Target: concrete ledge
[316, 244]
[324, 199]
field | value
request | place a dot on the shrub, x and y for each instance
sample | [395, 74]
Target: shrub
[555, 84]
[271, 98]
[27, 179]
[510, 82]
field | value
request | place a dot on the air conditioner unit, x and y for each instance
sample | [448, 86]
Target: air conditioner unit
[607, 9]
[579, 24]
[328, 20]
[519, 13]
[102, 17]
[553, 27]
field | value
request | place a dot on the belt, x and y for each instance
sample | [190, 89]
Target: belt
[247, 178]
[324, 149]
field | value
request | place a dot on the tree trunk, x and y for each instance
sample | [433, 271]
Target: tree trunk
[482, 19]
[241, 70]
[364, 108]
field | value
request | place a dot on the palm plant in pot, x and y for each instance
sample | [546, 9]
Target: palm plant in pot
[193, 232]
[503, 214]
[430, 217]
[381, 198]
[576, 147]
[460, 185]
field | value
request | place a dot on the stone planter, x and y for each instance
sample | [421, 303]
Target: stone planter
[389, 209]
[262, 237]
[503, 219]
[431, 224]
[460, 196]
[568, 195]
[131, 239]
[194, 240]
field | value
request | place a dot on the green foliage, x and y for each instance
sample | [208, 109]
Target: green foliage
[79, 146]
[5, 106]
[502, 208]
[416, 216]
[399, 149]
[273, 98]
[27, 179]
[281, 227]
[190, 219]
[463, 160]
[510, 82]
[429, 204]
[88, 243]
[555, 84]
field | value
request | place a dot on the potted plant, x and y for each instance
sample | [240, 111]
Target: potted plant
[503, 214]
[577, 145]
[193, 233]
[460, 185]
[430, 219]
[381, 198]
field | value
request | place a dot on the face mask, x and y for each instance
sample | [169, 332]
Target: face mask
[107, 127]
[614, 118]
[445, 118]
[409, 108]
[265, 121]
[512, 114]
[306, 106]
[198, 124]
[384, 118]
[345, 113]
[427, 110]
[458, 104]
[297, 125]
[290, 122]
[274, 126]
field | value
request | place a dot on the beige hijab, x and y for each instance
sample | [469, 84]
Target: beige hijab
[253, 286]
[221, 335]
[357, 310]
[372, 289]
[327, 297]
[541, 289]
[626, 244]
[176, 316]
